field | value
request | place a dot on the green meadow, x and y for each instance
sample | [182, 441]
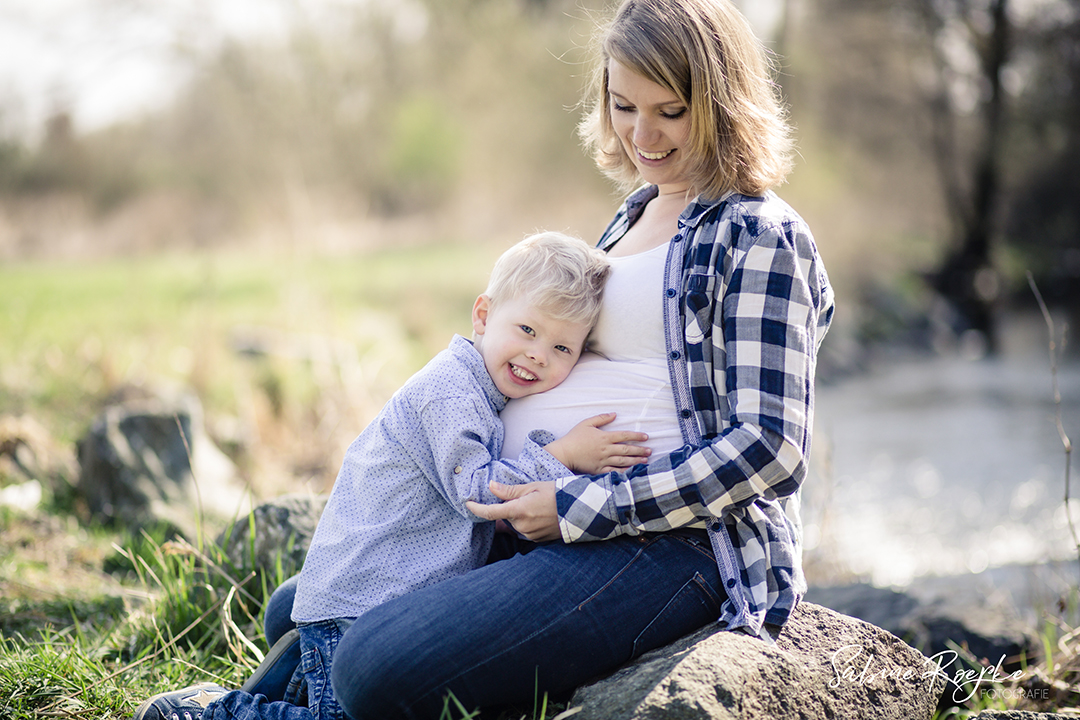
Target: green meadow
[303, 349]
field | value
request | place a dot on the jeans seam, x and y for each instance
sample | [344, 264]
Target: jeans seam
[696, 580]
[617, 575]
[687, 541]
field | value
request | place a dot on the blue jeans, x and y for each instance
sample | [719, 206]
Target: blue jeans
[549, 618]
[548, 621]
[277, 617]
[318, 643]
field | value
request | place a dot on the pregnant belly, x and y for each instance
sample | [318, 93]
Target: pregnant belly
[639, 393]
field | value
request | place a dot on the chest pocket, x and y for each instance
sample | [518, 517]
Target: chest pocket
[700, 306]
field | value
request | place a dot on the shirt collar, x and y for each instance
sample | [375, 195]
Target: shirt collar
[464, 349]
[690, 217]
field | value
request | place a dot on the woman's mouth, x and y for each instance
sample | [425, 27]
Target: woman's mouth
[654, 155]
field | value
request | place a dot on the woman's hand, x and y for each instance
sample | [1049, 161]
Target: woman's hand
[589, 450]
[529, 508]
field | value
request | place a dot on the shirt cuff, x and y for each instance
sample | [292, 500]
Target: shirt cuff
[589, 507]
[542, 465]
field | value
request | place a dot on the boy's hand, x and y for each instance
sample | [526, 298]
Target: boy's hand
[589, 450]
[530, 508]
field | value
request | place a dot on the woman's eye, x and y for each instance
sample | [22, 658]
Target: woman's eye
[674, 115]
[527, 330]
[621, 108]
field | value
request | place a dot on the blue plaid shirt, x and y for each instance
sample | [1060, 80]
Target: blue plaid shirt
[746, 304]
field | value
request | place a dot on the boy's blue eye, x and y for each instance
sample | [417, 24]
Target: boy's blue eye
[527, 329]
[563, 348]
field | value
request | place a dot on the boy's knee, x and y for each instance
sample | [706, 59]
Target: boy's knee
[278, 613]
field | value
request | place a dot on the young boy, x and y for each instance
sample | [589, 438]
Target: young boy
[396, 518]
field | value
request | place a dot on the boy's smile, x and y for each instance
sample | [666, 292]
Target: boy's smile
[525, 350]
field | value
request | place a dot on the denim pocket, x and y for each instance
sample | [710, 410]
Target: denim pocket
[695, 604]
[319, 640]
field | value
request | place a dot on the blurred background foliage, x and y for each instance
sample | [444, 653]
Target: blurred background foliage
[939, 141]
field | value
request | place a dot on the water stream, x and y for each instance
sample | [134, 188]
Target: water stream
[940, 465]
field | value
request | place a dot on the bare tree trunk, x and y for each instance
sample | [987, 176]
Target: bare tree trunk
[967, 277]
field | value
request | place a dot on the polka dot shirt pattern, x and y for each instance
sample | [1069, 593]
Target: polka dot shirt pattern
[396, 518]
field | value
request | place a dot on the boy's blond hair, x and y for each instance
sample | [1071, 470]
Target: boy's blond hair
[558, 274]
[705, 53]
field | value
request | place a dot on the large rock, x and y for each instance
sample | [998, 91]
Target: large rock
[274, 538]
[824, 665]
[149, 461]
[948, 617]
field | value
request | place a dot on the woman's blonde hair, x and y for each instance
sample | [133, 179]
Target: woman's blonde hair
[704, 52]
[560, 275]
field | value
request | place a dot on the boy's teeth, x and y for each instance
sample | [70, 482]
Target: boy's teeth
[654, 156]
[523, 374]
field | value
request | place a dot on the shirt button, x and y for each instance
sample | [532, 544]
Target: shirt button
[677, 238]
[731, 583]
[670, 292]
[458, 469]
[684, 413]
[674, 354]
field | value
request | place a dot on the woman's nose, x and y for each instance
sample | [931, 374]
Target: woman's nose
[644, 131]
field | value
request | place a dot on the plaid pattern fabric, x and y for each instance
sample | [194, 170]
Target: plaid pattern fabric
[747, 303]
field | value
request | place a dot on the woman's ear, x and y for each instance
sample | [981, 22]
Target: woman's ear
[481, 309]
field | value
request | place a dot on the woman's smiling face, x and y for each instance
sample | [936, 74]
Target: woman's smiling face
[653, 125]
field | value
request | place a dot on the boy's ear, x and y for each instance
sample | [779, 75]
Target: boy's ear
[481, 309]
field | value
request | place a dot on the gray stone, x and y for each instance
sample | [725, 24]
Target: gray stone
[946, 617]
[273, 539]
[823, 665]
[149, 461]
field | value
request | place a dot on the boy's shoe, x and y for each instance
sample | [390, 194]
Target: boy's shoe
[272, 676]
[186, 704]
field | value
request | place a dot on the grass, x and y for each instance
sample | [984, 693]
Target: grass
[300, 350]
[73, 331]
[188, 618]
[297, 350]
[291, 355]
[1050, 686]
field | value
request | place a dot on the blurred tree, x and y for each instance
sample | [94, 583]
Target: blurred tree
[1044, 216]
[969, 43]
[981, 95]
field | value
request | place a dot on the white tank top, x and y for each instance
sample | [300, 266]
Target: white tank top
[627, 374]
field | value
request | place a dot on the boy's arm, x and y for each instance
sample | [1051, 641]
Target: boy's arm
[588, 450]
[459, 454]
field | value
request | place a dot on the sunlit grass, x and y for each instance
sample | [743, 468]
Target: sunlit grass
[187, 617]
[70, 333]
[155, 615]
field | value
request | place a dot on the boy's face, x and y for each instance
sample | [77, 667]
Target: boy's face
[525, 350]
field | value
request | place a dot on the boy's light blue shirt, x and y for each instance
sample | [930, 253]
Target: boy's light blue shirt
[396, 518]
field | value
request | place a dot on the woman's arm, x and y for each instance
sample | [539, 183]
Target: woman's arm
[760, 328]
[759, 324]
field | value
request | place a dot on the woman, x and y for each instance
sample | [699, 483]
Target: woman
[683, 101]
[723, 347]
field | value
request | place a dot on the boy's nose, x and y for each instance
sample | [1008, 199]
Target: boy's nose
[538, 357]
